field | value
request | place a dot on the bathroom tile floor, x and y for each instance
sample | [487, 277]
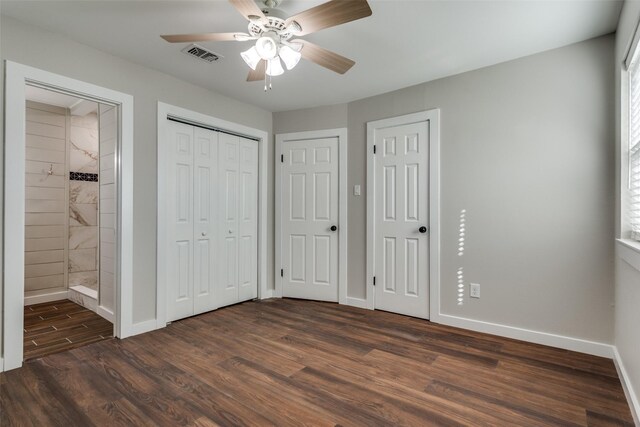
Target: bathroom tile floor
[57, 326]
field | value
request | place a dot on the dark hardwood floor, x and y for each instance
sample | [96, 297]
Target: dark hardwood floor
[57, 326]
[290, 362]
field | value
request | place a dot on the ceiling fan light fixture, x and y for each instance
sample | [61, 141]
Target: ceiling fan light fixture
[290, 57]
[274, 67]
[251, 57]
[267, 48]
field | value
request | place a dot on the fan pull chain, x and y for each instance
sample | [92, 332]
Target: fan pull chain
[270, 87]
[265, 78]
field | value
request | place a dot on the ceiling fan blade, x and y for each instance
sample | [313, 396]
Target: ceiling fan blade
[247, 8]
[258, 73]
[324, 57]
[330, 14]
[202, 37]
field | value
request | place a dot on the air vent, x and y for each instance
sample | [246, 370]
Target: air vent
[201, 53]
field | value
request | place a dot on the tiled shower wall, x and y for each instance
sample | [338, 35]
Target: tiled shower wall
[46, 202]
[83, 201]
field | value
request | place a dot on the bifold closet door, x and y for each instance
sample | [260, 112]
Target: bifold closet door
[238, 200]
[191, 200]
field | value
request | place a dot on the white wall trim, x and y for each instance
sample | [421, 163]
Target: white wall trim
[143, 327]
[629, 251]
[357, 302]
[107, 314]
[263, 165]
[433, 118]
[16, 78]
[39, 299]
[343, 195]
[544, 338]
[632, 397]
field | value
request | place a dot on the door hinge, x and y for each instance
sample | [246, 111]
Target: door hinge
[374, 280]
[281, 158]
[281, 272]
[374, 149]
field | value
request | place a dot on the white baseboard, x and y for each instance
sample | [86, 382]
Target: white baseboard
[544, 338]
[357, 302]
[143, 327]
[39, 299]
[1, 364]
[267, 294]
[105, 313]
[632, 398]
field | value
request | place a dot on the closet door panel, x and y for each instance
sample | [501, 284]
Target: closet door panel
[205, 193]
[228, 199]
[180, 213]
[213, 234]
[247, 219]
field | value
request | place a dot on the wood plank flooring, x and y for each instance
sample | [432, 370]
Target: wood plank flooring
[57, 326]
[290, 362]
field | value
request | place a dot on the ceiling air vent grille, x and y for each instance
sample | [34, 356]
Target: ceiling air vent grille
[201, 53]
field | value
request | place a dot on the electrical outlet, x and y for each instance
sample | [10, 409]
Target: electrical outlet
[474, 290]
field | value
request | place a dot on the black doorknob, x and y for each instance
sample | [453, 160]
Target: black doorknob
[422, 229]
[334, 228]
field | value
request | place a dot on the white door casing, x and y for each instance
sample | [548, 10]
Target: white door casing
[402, 219]
[17, 76]
[165, 157]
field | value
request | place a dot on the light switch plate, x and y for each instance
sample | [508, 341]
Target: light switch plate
[474, 290]
[356, 190]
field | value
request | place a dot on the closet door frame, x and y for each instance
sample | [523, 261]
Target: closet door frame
[164, 112]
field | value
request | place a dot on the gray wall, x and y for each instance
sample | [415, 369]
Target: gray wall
[35, 47]
[325, 117]
[526, 150]
[627, 277]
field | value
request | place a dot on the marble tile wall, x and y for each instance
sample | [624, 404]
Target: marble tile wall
[83, 202]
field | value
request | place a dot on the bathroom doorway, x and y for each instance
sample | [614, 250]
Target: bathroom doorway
[86, 214]
[70, 229]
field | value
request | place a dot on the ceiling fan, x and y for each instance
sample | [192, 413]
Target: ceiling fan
[274, 34]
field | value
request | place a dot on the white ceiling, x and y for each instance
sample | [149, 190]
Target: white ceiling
[404, 42]
[77, 106]
[44, 96]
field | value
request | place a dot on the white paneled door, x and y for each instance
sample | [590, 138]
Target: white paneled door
[310, 228]
[238, 205]
[208, 186]
[401, 266]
